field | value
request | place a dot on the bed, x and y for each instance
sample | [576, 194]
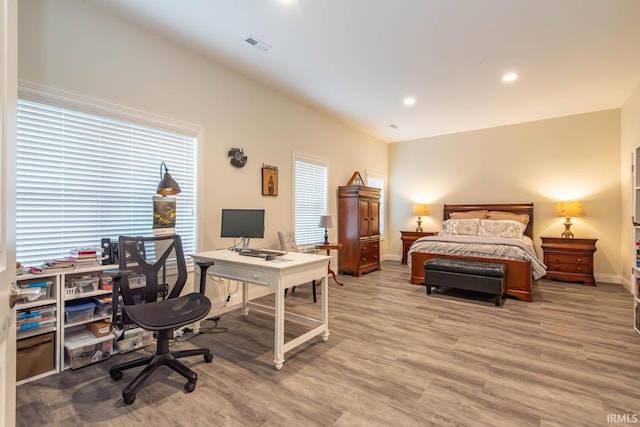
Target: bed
[524, 266]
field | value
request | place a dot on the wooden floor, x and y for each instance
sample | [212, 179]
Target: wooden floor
[395, 357]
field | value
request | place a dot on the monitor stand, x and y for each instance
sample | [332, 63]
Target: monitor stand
[245, 243]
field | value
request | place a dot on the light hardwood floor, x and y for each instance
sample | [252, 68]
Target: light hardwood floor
[395, 357]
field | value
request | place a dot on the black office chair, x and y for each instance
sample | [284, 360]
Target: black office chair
[151, 303]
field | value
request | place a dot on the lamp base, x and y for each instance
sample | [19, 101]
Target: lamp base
[326, 237]
[419, 227]
[567, 234]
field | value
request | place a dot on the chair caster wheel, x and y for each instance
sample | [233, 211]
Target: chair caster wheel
[208, 357]
[129, 398]
[116, 375]
[189, 387]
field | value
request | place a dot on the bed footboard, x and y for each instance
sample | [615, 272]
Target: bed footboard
[518, 281]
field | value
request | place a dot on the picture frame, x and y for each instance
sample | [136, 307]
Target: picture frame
[269, 181]
[164, 212]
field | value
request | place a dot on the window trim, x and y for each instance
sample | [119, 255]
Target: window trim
[63, 99]
[307, 158]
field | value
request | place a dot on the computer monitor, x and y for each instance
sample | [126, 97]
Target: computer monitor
[243, 223]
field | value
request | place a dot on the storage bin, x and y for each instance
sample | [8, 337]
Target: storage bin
[85, 284]
[133, 340]
[103, 306]
[38, 314]
[82, 348]
[44, 285]
[35, 356]
[79, 311]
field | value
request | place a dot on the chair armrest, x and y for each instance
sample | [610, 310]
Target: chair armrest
[204, 265]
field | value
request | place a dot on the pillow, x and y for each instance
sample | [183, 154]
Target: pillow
[468, 215]
[461, 227]
[500, 216]
[501, 228]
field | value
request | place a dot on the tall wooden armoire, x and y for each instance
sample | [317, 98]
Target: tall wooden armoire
[358, 229]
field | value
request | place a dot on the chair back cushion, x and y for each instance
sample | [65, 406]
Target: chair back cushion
[287, 241]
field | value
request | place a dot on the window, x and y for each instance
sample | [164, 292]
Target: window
[310, 198]
[376, 180]
[91, 172]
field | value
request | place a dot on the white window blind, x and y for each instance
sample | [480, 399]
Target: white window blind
[376, 180]
[310, 198]
[82, 177]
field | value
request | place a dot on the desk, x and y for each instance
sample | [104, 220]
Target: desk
[277, 275]
[328, 247]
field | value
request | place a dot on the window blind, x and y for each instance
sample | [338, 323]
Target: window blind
[82, 177]
[376, 180]
[310, 198]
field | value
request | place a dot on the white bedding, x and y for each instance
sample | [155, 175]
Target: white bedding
[517, 249]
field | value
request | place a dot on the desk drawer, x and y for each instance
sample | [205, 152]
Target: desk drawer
[243, 274]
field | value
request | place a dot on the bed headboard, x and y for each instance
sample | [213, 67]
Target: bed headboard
[516, 208]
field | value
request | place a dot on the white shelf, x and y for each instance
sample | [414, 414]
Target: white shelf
[59, 300]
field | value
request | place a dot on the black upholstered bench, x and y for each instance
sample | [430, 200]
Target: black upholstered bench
[480, 276]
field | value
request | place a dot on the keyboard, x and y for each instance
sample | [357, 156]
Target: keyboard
[261, 253]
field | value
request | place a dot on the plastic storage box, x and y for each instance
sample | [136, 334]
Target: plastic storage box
[84, 284]
[82, 348]
[133, 340]
[43, 285]
[103, 306]
[79, 311]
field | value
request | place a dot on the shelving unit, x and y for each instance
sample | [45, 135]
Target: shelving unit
[58, 298]
[635, 218]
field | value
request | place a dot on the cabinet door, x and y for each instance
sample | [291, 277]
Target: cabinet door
[363, 218]
[374, 218]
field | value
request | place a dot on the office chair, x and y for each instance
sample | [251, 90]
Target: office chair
[288, 243]
[154, 305]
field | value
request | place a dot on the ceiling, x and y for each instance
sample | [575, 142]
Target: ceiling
[357, 60]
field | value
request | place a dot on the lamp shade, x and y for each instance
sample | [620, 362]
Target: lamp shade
[326, 221]
[420, 210]
[167, 185]
[569, 209]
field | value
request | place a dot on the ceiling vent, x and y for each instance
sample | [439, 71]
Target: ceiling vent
[257, 43]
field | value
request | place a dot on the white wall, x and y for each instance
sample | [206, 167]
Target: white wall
[630, 139]
[566, 158]
[73, 46]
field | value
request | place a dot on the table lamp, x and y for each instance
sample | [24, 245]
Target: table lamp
[419, 211]
[326, 222]
[569, 210]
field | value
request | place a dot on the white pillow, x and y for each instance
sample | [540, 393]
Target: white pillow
[503, 228]
[461, 227]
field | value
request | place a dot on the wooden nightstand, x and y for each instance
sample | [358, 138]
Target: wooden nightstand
[408, 237]
[569, 260]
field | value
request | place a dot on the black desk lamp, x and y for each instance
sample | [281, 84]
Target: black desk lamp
[167, 185]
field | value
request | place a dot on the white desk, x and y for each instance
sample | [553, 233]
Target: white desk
[277, 275]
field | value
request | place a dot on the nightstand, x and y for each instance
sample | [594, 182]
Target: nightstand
[408, 237]
[569, 260]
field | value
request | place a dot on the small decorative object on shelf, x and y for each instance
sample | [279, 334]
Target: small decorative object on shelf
[355, 179]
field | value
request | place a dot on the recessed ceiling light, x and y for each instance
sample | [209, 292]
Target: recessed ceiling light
[509, 77]
[393, 126]
[409, 101]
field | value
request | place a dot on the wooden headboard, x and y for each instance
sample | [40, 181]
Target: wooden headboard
[516, 208]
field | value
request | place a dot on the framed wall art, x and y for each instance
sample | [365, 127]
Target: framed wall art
[269, 180]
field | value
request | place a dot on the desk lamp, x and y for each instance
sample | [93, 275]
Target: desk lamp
[419, 211]
[569, 210]
[326, 222]
[167, 185]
